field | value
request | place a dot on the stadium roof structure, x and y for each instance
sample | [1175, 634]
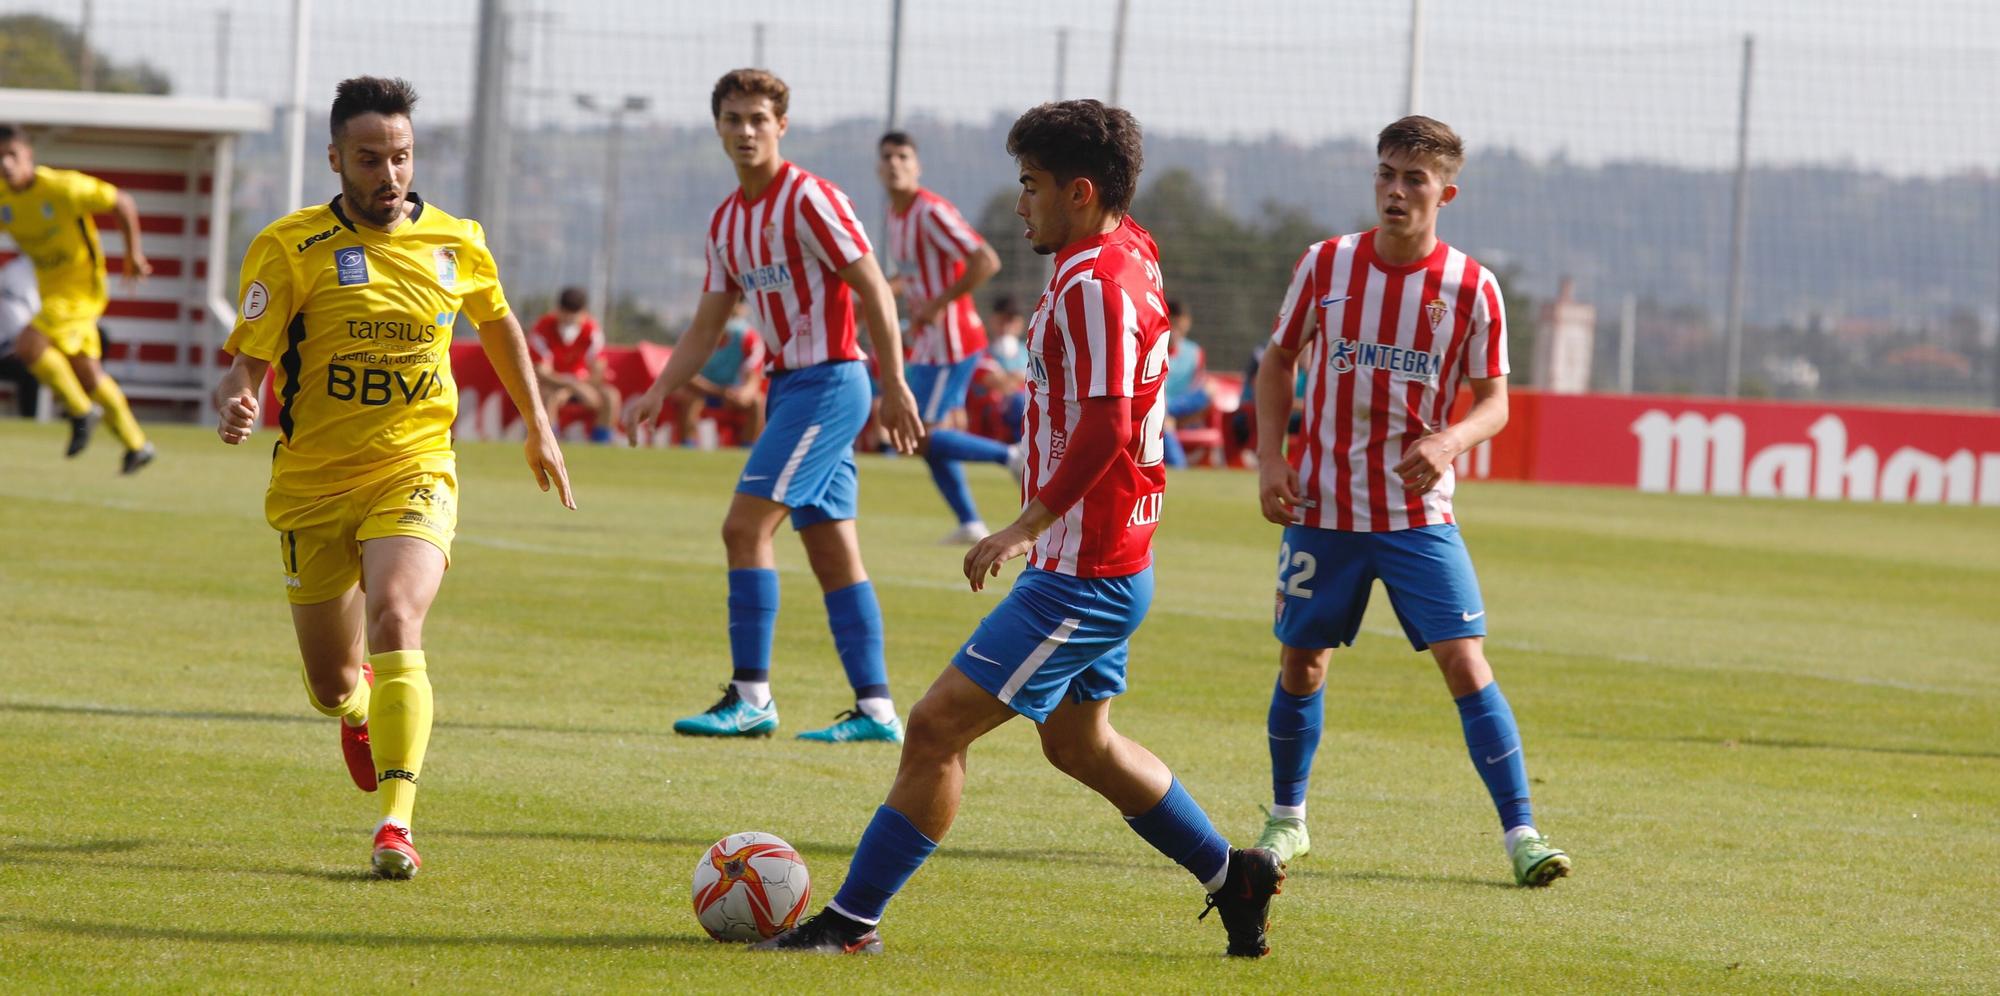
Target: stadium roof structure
[134, 112]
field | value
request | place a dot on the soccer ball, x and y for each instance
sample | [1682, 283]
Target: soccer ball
[749, 886]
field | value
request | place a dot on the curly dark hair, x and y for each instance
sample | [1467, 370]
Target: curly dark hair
[1083, 138]
[370, 95]
[750, 83]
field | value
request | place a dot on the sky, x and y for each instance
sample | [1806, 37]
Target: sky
[1904, 88]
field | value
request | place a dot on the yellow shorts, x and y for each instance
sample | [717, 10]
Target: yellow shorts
[319, 539]
[71, 336]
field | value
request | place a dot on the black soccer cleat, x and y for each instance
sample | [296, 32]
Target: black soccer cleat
[826, 932]
[1254, 876]
[79, 431]
[137, 459]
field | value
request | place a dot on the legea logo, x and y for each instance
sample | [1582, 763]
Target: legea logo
[1698, 454]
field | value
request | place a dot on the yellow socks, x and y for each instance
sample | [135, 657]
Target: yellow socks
[117, 414]
[52, 368]
[399, 728]
[353, 710]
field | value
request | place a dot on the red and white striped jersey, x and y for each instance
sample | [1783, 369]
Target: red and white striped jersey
[1398, 341]
[930, 243]
[1100, 330]
[783, 251]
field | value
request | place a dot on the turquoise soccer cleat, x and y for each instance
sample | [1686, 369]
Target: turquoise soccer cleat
[854, 726]
[1538, 862]
[730, 717]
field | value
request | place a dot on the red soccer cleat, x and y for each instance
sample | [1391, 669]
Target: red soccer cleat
[395, 857]
[354, 744]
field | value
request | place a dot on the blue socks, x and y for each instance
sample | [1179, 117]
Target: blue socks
[1178, 828]
[1172, 453]
[1294, 725]
[950, 444]
[1495, 745]
[891, 850]
[753, 614]
[856, 620]
[949, 476]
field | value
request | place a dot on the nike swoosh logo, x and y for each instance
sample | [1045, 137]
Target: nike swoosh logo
[1470, 616]
[755, 477]
[1328, 302]
[1503, 757]
[972, 650]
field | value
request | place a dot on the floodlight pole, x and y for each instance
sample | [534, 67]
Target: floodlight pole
[1740, 230]
[86, 60]
[1414, 90]
[295, 121]
[1062, 62]
[895, 60]
[486, 165]
[1118, 50]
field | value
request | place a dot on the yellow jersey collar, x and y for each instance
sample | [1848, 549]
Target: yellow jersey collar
[416, 211]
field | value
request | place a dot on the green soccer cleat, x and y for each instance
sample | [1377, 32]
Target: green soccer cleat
[1537, 862]
[1285, 837]
[730, 717]
[854, 726]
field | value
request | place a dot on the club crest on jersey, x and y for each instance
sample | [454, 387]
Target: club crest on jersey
[48, 209]
[6, 214]
[447, 267]
[1347, 354]
[1438, 311]
[350, 266]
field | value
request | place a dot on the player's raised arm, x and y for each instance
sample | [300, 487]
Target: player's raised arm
[878, 308]
[696, 345]
[236, 399]
[507, 348]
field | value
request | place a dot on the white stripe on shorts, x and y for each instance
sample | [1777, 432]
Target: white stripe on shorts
[934, 405]
[1037, 659]
[792, 465]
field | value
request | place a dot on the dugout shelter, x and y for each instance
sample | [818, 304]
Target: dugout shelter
[174, 155]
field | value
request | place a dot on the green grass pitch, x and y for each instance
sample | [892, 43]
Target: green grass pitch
[1768, 732]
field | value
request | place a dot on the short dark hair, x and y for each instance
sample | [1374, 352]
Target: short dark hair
[750, 83]
[1426, 137]
[1083, 138]
[572, 299]
[1003, 304]
[10, 132]
[898, 138]
[370, 95]
[1175, 307]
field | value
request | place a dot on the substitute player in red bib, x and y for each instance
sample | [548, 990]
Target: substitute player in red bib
[1393, 321]
[1054, 649]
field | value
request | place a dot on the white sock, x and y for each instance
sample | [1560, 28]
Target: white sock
[757, 693]
[1297, 812]
[1215, 883]
[390, 821]
[1514, 836]
[879, 710]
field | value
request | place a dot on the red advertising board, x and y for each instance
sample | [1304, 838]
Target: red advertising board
[1754, 448]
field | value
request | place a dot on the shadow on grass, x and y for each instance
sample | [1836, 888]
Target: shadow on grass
[130, 932]
[118, 846]
[1407, 878]
[44, 858]
[816, 848]
[126, 712]
[1792, 743]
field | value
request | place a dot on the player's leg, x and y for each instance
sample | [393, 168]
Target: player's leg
[603, 404]
[322, 568]
[1435, 592]
[946, 448]
[855, 617]
[1322, 593]
[746, 708]
[906, 828]
[117, 411]
[52, 368]
[402, 576]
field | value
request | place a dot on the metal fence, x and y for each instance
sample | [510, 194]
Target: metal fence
[1604, 142]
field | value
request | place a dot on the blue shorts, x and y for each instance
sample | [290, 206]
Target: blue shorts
[1324, 576]
[940, 387]
[1055, 635]
[804, 459]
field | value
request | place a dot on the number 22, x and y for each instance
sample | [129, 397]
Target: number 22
[1303, 566]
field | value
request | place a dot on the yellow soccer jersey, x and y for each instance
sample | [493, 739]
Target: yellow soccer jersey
[52, 221]
[358, 323]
